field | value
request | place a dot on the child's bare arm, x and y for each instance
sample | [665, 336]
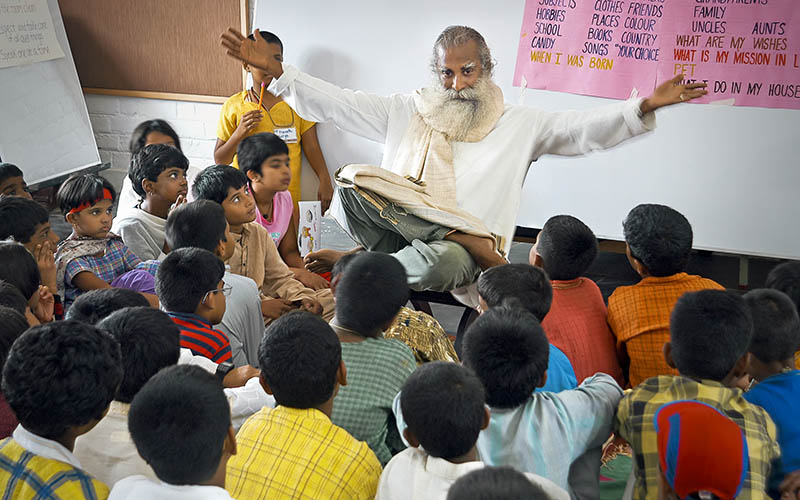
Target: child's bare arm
[313, 152]
[224, 151]
[86, 280]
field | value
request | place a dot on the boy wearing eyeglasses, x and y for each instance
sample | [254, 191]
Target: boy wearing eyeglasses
[191, 290]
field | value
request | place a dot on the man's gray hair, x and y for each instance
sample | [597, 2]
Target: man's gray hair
[453, 36]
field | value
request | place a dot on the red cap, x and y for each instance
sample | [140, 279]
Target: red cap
[700, 449]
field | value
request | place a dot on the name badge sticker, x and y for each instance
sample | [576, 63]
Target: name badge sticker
[288, 134]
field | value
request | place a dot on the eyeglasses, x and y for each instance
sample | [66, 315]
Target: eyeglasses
[226, 291]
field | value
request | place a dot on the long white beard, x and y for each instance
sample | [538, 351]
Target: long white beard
[456, 113]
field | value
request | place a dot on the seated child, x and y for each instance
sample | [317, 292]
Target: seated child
[776, 339]
[544, 433]
[12, 324]
[576, 322]
[419, 331]
[12, 182]
[443, 407]
[255, 254]
[241, 117]
[307, 456]
[701, 452]
[91, 257]
[59, 379]
[368, 297]
[786, 278]
[191, 290]
[495, 483]
[530, 287]
[242, 322]
[19, 269]
[710, 333]
[658, 243]
[194, 421]
[158, 176]
[146, 133]
[264, 158]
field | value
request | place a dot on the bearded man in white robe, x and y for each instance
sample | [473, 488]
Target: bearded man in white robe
[444, 200]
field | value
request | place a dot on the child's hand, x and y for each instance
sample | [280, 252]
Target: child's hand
[44, 308]
[790, 487]
[312, 306]
[180, 200]
[275, 308]
[45, 260]
[247, 123]
[311, 280]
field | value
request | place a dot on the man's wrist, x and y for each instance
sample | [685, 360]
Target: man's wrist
[223, 369]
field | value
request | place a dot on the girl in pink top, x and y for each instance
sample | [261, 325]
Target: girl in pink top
[264, 158]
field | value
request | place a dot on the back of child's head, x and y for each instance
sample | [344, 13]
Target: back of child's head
[710, 331]
[567, 247]
[255, 149]
[214, 182]
[528, 284]
[144, 129]
[60, 375]
[342, 262]
[19, 218]
[199, 224]
[150, 161]
[508, 351]
[776, 326]
[371, 292]
[659, 237]
[82, 191]
[149, 341]
[184, 278]
[179, 421]
[11, 297]
[269, 37]
[443, 406]
[95, 305]
[495, 483]
[299, 357]
[19, 268]
[786, 278]
[12, 325]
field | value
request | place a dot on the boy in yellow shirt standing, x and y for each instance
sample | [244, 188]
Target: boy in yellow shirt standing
[241, 116]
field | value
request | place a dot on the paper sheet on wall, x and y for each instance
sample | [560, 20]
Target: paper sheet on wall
[747, 51]
[27, 34]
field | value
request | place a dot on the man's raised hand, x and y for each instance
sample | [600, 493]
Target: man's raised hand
[673, 92]
[257, 53]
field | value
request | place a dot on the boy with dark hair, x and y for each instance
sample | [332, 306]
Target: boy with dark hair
[576, 322]
[368, 297]
[301, 365]
[12, 324]
[710, 333]
[96, 305]
[554, 435]
[11, 297]
[785, 277]
[529, 287]
[264, 159]
[658, 243]
[255, 254]
[158, 175]
[443, 407]
[776, 339]
[495, 483]
[12, 182]
[59, 379]
[191, 290]
[194, 421]
[242, 321]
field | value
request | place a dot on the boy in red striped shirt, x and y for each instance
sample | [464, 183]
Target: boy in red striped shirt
[190, 288]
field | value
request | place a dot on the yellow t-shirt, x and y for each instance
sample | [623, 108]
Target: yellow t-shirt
[280, 116]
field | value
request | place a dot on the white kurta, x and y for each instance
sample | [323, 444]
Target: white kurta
[489, 173]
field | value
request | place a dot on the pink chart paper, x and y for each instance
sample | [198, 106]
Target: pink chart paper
[748, 51]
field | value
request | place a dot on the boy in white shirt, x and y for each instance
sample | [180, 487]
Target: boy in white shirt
[443, 407]
[190, 447]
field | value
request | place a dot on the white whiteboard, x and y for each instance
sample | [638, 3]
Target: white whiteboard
[44, 124]
[734, 172]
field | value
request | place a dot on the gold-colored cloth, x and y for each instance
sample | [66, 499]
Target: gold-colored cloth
[423, 335]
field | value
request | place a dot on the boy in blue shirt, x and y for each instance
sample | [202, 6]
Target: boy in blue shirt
[776, 337]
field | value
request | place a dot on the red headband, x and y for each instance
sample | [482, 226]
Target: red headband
[84, 206]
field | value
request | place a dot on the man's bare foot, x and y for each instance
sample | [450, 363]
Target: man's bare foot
[481, 249]
[323, 260]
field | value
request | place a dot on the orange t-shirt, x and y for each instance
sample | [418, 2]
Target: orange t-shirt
[639, 318]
